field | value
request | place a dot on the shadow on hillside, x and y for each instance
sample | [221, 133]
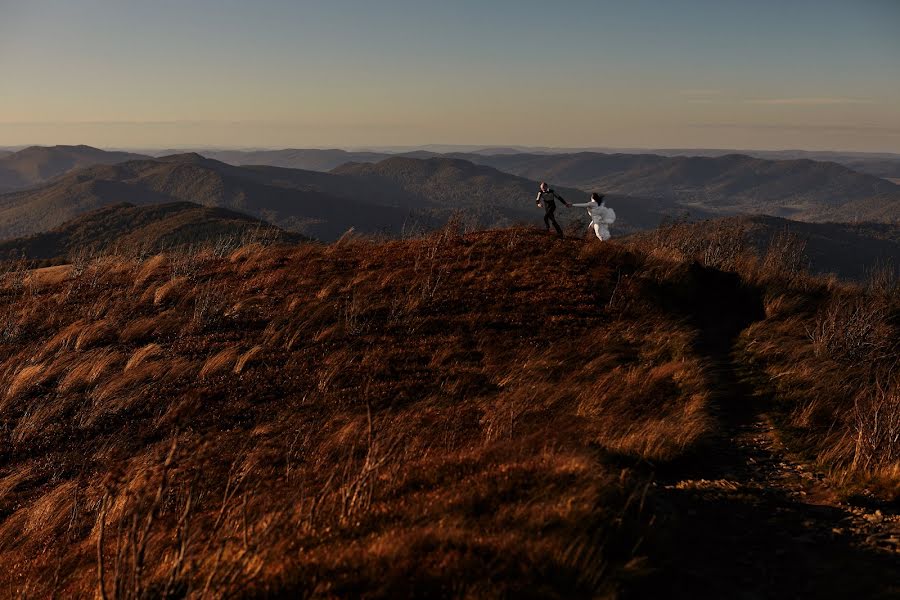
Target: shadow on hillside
[719, 304]
[752, 543]
[727, 527]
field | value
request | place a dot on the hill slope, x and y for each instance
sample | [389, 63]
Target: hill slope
[37, 164]
[306, 159]
[798, 189]
[293, 201]
[493, 196]
[396, 419]
[786, 184]
[386, 197]
[152, 228]
[880, 164]
[850, 251]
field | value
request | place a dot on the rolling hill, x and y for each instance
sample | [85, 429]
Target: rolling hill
[885, 165]
[798, 189]
[306, 159]
[37, 164]
[282, 199]
[147, 229]
[386, 197]
[493, 196]
[787, 184]
[880, 164]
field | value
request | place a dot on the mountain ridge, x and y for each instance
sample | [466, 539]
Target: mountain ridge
[191, 178]
[800, 189]
[148, 229]
[390, 196]
[35, 165]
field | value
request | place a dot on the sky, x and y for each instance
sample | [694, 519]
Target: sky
[749, 74]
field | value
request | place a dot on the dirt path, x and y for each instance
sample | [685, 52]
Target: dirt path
[742, 520]
[738, 518]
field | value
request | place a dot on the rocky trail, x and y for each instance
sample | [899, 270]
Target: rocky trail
[743, 518]
[751, 522]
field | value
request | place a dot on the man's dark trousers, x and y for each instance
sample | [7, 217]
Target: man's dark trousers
[549, 209]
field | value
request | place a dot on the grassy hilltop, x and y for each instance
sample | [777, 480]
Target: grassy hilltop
[496, 413]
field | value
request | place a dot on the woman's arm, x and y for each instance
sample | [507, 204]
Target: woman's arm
[582, 205]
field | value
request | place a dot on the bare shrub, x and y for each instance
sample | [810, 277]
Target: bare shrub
[185, 264]
[884, 280]
[352, 314]
[9, 324]
[725, 245]
[210, 306]
[850, 329]
[358, 485]
[876, 417]
[785, 255]
[14, 272]
[720, 244]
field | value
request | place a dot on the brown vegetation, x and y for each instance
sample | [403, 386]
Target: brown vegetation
[827, 353]
[434, 414]
[451, 415]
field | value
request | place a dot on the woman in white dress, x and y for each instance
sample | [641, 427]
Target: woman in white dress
[601, 215]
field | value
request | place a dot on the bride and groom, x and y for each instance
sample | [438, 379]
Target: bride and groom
[601, 215]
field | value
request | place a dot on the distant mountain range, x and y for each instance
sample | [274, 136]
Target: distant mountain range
[295, 200]
[734, 184]
[880, 164]
[798, 188]
[150, 228]
[386, 197]
[37, 164]
[311, 160]
[492, 196]
[168, 201]
[376, 192]
[849, 251]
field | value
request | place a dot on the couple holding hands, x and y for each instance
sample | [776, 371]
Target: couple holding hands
[601, 215]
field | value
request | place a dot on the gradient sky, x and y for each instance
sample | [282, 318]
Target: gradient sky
[814, 74]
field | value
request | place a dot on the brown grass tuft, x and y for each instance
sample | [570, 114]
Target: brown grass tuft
[221, 361]
[141, 355]
[25, 379]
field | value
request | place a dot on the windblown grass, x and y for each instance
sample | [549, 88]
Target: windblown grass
[454, 414]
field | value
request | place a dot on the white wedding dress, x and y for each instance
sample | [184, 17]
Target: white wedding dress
[601, 218]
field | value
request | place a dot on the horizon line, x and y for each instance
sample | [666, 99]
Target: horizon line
[399, 148]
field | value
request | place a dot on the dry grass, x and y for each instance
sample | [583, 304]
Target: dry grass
[827, 352]
[26, 378]
[449, 415]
